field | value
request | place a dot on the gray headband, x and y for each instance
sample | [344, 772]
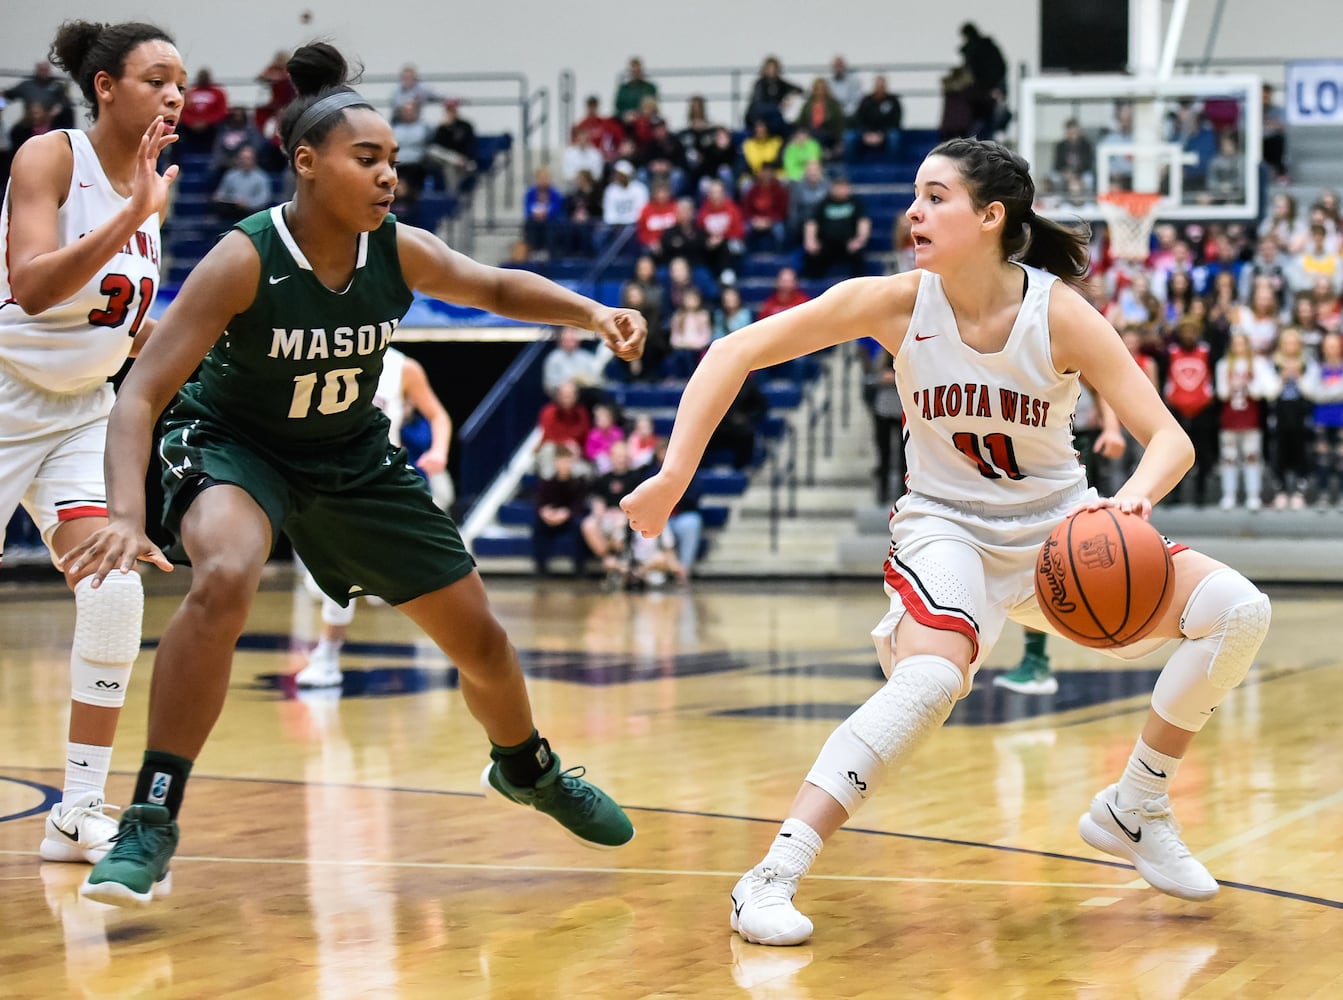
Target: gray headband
[321, 110]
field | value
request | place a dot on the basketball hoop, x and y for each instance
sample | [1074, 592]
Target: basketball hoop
[1129, 217]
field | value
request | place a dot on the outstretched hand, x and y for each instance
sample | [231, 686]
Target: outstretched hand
[650, 504]
[116, 547]
[624, 331]
[149, 188]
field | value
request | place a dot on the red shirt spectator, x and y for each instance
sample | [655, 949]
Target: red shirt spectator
[205, 102]
[786, 294]
[656, 217]
[1189, 379]
[607, 133]
[719, 216]
[766, 198]
[565, 421]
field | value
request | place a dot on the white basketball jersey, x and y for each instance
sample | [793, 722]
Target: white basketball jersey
[992, 428]
[389, 397]
[78, 344]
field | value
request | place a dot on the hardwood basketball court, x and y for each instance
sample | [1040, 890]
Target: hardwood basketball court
[338, 845]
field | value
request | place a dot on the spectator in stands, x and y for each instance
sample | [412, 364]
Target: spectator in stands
[1302, 236]
[661, 156]
[804, 196]
[453, 148]
[684, 239]
[1280, 222]
[606, 133]
[204, 108]
[1188, 392]
[1120, 131]
[731, 314]
[1292, 413]
[604, 434]
[1074, 168]
[691, 332]
[1246, 383]
[737, 431]
[646, 277]
[764, 204]
[800, 150]
[761, 147]
[724, 231]
[786, 294]
[1226, 172]
[1325, 389]
[768, 95]
[564, 422]
[36, 120]
[561, 501]
[580, 155]
[697, 134]
[1261, 319]
[542, 215]
[844, 86]
[622, 201]
[902, 244]
[681, 278]
[643, 441]
[882, 396]
[648, 367]
[1269, 266]
[606, 529]
[718, 161]
[1179, 298]
[47, 90]
[235, 132]
[275, 76]
[243, 190]
[958, 109]
[876, 125]
[1328, 305]
[582, 208]
[1134, 304]
[824, 118]
[1316, 260]
[653, 560]
[410, 89]
[656, 217]
[412, 134]
[837, 233]
[988, 75]
[632, 91]
[405, 201]
[570, 362]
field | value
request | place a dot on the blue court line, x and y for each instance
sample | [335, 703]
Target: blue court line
[50, 796]
[698, 814]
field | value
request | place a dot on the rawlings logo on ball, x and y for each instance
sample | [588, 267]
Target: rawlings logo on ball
[1052, 561]
[1097, 552]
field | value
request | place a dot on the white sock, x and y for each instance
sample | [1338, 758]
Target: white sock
[328, 647]
[1147, 776]
[86, 768]
[795, 847]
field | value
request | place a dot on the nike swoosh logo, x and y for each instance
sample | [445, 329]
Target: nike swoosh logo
[1158, 774]
[73, 836]
[919, 337]
[83, 185]
[284, 277]
[736, 907]
[77, 763]
[1135, 837]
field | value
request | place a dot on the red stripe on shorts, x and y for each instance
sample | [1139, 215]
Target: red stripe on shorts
[74, 513]
[924, 615]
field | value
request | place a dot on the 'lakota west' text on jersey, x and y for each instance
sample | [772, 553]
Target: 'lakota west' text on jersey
[300, 367]
[76, 345]
[994, 428]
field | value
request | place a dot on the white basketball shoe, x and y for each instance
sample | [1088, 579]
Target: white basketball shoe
[79, 831]
[763, 910]
[1148, 836]
[322, 671]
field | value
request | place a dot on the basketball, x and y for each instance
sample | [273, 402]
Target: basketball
[1104, 578]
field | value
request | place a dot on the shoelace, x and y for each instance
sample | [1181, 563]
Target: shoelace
[1165, 827]
[570, 779]
[101, 809]
[136, 829]
[775, 886]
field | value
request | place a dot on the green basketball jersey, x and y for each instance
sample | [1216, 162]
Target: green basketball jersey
[298, 369]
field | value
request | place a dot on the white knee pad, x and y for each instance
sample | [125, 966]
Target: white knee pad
[1225, 622]
[107, 638]
[334, 614]
[887, 727]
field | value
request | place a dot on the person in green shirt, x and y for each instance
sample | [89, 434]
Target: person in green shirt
[800, 149]
[631, 93]
[288, 318]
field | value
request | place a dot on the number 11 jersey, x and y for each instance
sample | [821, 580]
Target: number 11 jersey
[76, 345]
[988, 428]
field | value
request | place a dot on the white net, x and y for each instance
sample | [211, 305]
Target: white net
[1129, 218]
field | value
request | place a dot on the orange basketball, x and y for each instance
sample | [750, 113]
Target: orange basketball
[1104, 578]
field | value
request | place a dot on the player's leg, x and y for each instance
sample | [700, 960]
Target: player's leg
[1034, 674]
[927, 646]
[228, 537]
[523, 768]
[323, 669]
[1221, 620]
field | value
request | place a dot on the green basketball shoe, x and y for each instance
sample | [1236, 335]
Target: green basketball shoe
[135, 870]
[1031, 676]
[588, 814]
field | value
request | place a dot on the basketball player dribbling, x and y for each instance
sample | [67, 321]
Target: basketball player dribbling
[989, 346]
[288, 318]
[79, 269]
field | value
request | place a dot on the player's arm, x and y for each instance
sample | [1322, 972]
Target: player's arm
[1083, 341]
[431, 267]
[415, 386]
[41, 272]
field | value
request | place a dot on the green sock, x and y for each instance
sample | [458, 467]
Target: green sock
[162, 780]
[1035, 646]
